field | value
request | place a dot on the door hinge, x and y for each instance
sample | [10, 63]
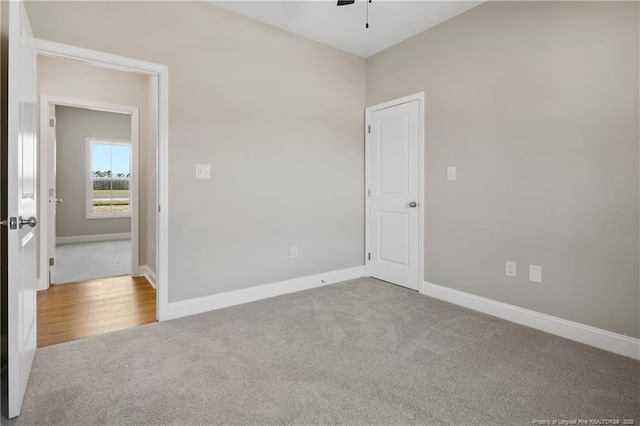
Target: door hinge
[369, 128]
[369, 256]
[368, 192]
[12, 223]
[52, 122]
[51, 261]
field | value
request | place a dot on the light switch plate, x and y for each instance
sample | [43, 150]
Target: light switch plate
[451, 173]
[535, 273]
[203, 171]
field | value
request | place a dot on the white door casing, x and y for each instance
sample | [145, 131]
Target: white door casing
[48, 178]
[21, 203]
[52, 194]
[394, 191]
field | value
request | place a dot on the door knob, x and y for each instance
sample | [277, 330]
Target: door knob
[413, 204]
[32, 222]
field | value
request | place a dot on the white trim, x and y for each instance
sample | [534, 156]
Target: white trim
[93, 238]
[265, 291]
[420, 97]
[94, 57]
[133, 170]
[88, 104]
[146, 272]
[603, 339]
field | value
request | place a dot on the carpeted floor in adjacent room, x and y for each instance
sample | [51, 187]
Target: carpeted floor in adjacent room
[88, 261]
[358, 352]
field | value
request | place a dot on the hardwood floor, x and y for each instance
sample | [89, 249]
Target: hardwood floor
[72, 311]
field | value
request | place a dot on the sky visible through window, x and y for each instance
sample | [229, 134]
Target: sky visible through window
[107, 157]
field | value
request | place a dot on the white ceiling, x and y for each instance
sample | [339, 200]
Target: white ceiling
[343, 27]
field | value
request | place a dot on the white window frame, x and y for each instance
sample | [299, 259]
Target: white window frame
[89, 180]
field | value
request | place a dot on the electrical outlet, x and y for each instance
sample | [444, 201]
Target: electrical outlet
[294, 252]
[510, 269]
[535, 273]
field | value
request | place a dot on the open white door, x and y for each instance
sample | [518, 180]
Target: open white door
[21, 205]
[393, 216]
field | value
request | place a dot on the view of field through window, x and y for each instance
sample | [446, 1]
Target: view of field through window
[110, 178]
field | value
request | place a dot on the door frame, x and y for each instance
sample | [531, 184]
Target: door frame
[48, 150]
[421, 177]
[122, 63]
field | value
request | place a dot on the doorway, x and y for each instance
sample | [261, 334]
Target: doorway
[98, 184]
[394, 165]
[92, 185]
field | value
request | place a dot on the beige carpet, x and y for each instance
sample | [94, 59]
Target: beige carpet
[359, 352]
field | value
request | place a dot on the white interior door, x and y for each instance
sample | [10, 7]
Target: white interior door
[21, 204]
[52, 193]
[394, 188]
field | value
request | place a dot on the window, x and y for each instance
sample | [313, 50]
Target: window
[109, 179]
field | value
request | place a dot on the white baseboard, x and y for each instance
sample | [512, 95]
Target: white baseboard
[146, 272]
[92, 238]
[603, 339]
[265, 291]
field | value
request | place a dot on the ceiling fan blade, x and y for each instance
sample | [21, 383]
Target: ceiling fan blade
[345, 2]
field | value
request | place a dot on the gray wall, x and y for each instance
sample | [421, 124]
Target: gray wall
[70, 79]
[535, 103]
[73, 126]
[278, 117]
[537, 106]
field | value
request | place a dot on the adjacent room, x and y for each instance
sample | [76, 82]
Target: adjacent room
[343, 212]
[93, 153]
